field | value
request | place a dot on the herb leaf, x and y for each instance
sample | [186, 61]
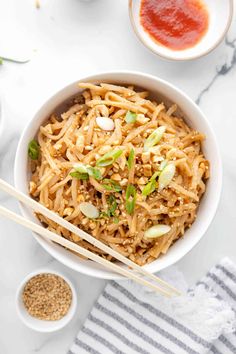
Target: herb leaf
[130, 117]
[33, 149]
[111, 185]
[130, 159]
[130, 197]
[113, 205]
[109, 158]
[1, 61]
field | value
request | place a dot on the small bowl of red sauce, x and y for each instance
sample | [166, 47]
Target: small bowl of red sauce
[181, 29]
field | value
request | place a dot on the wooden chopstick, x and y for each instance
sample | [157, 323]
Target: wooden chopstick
[82, 234]
[49, 235]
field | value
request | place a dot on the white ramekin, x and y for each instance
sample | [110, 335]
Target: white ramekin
[220, 18]
[41, 325]
[161, 90]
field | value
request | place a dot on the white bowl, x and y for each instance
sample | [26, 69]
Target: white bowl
[220, 17]
[194, 117]
[41, 325]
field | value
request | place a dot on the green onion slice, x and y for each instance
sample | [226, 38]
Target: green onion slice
[79, 175]
[111, 185]
[157, 231]
[149, 188]
[166, 176]
[130, 117]
[84, 171]
[151, 185]
[130, 161]
[154, 138]
[163, 164]
[94, 172]
[109, 158]
[130, 197]
[33, 149]
[81, 168]
[155, 175]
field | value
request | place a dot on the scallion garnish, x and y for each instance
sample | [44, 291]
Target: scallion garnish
[79, 175]
[151, 185]
[154, 138]
[163, 164]
[111, 185]
[130, 159]
[130, 117]
[166, 176]
[109, 158]
[149, 188]
[1, 61]
[84, 171]
[94, 172]
[81, 168]
[130, 198]
[33, 149]
[155, 175]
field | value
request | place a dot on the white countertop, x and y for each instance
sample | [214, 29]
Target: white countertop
[71, 39]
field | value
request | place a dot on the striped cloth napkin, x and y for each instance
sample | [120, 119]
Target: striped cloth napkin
[128, 318]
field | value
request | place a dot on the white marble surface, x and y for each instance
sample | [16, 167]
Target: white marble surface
[70, 39]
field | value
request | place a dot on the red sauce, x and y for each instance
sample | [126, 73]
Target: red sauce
[176, 24]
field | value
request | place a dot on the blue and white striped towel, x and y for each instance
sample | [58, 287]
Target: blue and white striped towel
[128, 319]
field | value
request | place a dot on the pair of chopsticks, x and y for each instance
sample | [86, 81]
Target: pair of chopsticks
[136, 272]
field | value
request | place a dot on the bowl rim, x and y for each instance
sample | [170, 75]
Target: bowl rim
[99, 273]
[168, 57]
[57, 325]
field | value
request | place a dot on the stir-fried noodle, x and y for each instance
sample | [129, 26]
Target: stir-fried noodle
[143, 181]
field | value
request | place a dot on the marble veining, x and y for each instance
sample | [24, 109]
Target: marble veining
[223, 70]
[71, 39]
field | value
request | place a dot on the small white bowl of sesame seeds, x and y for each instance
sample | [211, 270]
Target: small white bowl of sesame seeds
[46, 300]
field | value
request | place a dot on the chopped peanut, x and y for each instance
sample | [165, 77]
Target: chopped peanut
[104, 149]
[67, 211]
[80, 143]
[142, 180]
[121, 162]
[32, 187]
[124, 182]
[147, 170]
[80, 198]
[145, 157]
[48, 128]
[157, 158]
[141, 119]
[75, 238]
[155, 150]
[116, 177]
